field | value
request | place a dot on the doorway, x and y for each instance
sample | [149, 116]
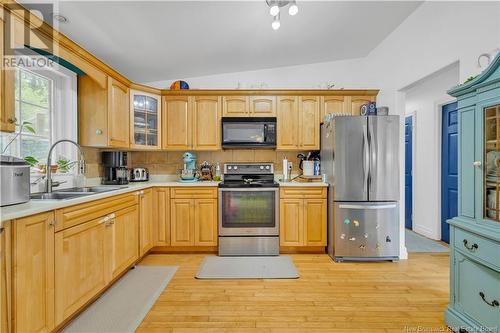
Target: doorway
[449, 168]
[409, 172]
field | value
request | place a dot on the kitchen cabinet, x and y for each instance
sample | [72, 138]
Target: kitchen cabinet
[81, 265]
[235, 106]
[161, 220]
[6, 277]
[145, 221]
[262, 106]
[33, 271]
[124, 235]
[206, 122]
[193, 217]
[333, 104]
[303, 216]
[145, 120]
[104, 113]
[7, 86]
[298, 123]
[176, 123]
[354, 103]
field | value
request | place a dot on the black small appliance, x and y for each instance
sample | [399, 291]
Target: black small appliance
[250, 132]
[115, 168]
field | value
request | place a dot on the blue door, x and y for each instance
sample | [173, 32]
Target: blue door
[408, 172]
[449, 168]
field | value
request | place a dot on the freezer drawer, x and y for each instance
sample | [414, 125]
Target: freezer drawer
[366, 231]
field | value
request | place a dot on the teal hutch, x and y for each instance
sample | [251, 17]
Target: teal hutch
[475, 232]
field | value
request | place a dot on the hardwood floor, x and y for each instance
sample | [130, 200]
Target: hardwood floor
[329, 297]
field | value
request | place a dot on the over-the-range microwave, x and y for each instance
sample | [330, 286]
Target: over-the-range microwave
[251, 132]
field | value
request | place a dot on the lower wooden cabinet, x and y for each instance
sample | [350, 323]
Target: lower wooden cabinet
[161, 216]
[146, 221]
[5, 277]
[125, 243]
[193, 217]
[303, 218]
[82, 256]
[33, 271]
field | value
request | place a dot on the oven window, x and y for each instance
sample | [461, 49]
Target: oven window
[248, 209]
[243, 132]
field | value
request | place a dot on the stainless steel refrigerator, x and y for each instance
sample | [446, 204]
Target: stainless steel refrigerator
[360, 156]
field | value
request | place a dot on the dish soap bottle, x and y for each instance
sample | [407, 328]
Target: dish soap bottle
[217, 176]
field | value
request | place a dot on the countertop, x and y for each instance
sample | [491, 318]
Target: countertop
[40, 206]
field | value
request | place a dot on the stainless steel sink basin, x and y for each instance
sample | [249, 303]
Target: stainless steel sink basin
[58, 195]
[74, 192]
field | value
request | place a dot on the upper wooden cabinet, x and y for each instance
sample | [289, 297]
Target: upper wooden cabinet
[33, 284]
[206, 122]
[191, 122]
[145, 120]
[333, 104]
[298, 123]
[354, 103]
[104, 113]
[235, 106]
[263, 106]
[7, 86]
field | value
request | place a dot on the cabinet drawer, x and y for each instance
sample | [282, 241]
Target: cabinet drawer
[303, 192]
[475, 287]
[477, 246]
[77, 214]
[193, 192]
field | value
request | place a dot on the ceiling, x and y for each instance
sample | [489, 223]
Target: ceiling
[157, 40]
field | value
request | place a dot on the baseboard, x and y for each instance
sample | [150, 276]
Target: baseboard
[457, 322]
[301, 249]
[184, 249]
[424, 231]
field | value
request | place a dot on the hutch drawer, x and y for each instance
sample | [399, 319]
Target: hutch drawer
[477, 247]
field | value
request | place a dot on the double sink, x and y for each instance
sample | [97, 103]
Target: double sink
[74, 192]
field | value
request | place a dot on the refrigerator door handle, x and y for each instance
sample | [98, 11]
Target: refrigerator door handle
[366, 157]
[389, 206]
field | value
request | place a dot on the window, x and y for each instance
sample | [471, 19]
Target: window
[46, 98]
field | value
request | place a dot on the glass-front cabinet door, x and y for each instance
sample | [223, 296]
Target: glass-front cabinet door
[491, 159]
[146, 120]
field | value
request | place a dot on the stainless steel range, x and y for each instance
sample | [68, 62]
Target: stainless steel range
[248, 210]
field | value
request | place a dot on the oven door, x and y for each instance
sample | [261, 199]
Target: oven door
[248, 211]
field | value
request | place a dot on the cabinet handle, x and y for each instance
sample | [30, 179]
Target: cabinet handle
[477, 164]
[105, 219]
[52, 223]
[1, 230]
[473, 247]
[493, 303]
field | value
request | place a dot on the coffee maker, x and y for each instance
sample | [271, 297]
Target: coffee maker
[115, 168]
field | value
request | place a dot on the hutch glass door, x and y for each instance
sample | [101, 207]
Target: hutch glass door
[492, 163]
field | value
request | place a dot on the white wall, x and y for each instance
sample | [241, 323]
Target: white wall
[424, 100]
[436, 35]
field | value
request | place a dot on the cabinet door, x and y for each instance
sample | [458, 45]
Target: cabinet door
[145, 120]
[291, 222]
[34, 273]
[205, 222]
[263, 106]
[206, 122]
[118, 114]
[235, 106]
[146, 222]
[288, 123]
[6, 277]
[309, 124]
[315, 222]
[7, 86]
[176, 123]
[161, 221]
[181, 222]
[81, 265]
[355, 102]
[332, 104]
[124, 239]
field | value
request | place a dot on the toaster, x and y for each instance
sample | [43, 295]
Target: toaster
[139, 175]
[15, 180]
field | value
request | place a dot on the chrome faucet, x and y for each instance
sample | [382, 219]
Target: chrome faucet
[81, 163]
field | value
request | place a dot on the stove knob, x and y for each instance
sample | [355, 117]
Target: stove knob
[262, 167]
[229, 167]
[268, 167]
[235, 167]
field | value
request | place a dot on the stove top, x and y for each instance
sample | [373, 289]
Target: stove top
[248, 175]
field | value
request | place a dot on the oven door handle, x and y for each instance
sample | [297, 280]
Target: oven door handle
[248, 189]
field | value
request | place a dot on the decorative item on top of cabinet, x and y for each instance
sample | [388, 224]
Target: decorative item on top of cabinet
[354, 103]
[145, 120]
[161, 217]
[104, 113]
[145, 221]
[33, 267]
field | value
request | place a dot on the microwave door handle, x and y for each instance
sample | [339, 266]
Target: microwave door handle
[265, 132]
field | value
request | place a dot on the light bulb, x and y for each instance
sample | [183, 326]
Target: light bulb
[274, 10]
[276, 23]
[293, 10]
